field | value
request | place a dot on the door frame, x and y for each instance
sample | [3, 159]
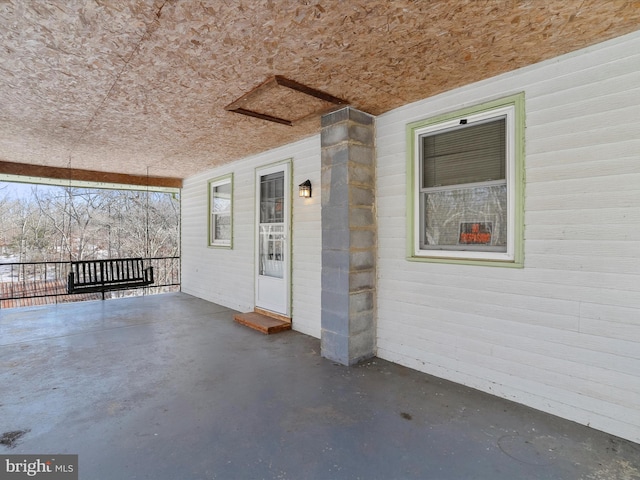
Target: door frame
[287, 167]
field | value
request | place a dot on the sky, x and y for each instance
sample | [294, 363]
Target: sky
[21, 190]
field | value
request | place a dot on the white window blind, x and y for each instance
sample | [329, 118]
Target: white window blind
[465, 154]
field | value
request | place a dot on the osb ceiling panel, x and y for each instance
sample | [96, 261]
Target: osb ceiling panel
[140, 87]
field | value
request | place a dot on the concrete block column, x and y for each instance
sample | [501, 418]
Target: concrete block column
[348, 236]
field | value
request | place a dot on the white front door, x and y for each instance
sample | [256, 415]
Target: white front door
[273, 200]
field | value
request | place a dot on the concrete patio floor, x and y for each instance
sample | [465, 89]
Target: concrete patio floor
[169, 387]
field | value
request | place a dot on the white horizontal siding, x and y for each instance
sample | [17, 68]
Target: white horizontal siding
[591, 216]
[502, 385]
[212, 273]
[563, 333]
[226, 276]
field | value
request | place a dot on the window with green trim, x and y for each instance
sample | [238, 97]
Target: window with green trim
[220, 211]
[466, 191]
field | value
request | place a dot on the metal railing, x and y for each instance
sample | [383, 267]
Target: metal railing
[39, 283]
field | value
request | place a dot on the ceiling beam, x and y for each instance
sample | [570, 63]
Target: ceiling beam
[78, 175]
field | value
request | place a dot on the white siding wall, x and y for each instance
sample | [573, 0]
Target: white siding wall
[563, 334]
[226, 276]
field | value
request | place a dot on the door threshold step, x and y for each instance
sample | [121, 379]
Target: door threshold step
[263, 322]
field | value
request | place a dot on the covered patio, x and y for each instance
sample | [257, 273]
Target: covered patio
[169, 387]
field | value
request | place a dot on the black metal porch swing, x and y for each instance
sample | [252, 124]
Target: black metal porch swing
[88, 276]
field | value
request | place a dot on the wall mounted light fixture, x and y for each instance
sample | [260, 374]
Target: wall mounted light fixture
[305, 189]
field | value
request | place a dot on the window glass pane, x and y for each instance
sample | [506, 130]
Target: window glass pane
[466, 154]
[220, 208]
[222, 198]
[466, 218]
[222, 228]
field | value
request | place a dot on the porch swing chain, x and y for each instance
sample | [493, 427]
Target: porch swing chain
[67, 200]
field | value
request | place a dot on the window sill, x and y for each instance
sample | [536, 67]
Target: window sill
[506, 263]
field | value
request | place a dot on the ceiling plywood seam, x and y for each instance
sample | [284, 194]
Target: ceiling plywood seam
[151, 27]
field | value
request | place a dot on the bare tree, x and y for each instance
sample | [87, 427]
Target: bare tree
[77, 214]
[29, 232]
[70, 223]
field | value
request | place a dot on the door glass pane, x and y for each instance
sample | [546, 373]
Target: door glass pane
[272, 250]
[272, 247]
[272, 198]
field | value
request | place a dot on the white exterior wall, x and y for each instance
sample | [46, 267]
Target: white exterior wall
[226, 276]
[562, 334]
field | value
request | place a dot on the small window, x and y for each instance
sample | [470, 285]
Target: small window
[220, 211]
[466, 185]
